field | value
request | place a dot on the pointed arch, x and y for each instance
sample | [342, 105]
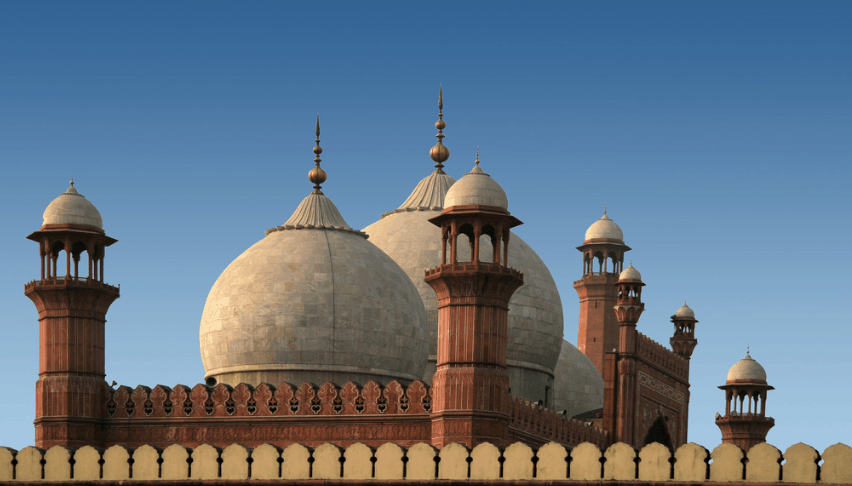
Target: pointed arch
[658, 433]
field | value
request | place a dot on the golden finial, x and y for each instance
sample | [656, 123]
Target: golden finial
[604, 209]
[72, 182]
[477, 155]
[317, 175]
[747, 350]
[439, 152]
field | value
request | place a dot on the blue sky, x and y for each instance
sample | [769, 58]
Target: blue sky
[717, 134]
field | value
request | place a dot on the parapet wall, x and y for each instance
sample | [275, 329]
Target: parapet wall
[690, 464]
[661, 357]
[532, 425]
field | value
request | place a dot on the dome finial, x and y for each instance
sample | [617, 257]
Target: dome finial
[604, 209]
[72, 182]
[477, 155]
[439, 152]
[317, 175]
[747, 350]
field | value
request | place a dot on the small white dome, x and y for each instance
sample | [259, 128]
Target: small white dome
[685, 311]
[476, 187]
[605, 229]
[747, 369]
[71, 207]
[630, 273]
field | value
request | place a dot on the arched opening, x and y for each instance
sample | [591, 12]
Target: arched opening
[467, 230]
[77, 250]
[614, 260]
[658, 433]
[489, 253]
[600, 258]
[55, 249]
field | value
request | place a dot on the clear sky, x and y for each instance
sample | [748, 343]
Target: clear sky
[717, 134]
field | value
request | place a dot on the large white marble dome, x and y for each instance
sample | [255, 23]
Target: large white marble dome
[535, 310]
[578, 387]
[313, 301]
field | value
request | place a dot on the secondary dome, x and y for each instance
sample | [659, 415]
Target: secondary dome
[71, 207]
[313, 301]
[685, 311]
[578, 386]
[535, 310]
[630, 273]
[605, 229]
[476, 188]
[747, 369]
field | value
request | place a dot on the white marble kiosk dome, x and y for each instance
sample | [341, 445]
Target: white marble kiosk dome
[71, 207]
[535, 310]
[747, 369]
[313, 301]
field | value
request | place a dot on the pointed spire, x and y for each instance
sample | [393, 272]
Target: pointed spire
[317, 175]
[439, 153]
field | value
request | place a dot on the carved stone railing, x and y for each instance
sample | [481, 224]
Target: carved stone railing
[530, 422]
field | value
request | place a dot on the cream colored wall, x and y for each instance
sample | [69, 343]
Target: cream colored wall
[726, 463]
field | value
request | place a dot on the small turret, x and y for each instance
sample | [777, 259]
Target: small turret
[745, 423]
[683, 342]
[629, 305]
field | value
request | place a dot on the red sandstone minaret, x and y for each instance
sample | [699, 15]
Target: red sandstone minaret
[72, 304]
[745, 393]
[603, 259]
[470, 390]
[622, 379]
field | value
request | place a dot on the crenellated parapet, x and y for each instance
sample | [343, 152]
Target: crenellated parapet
[534, 425]
[618, 464]
[266, 400]
[666, 360]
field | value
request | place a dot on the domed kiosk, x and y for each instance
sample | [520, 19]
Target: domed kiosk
[745, 422]
[535, 310]
[313, 301]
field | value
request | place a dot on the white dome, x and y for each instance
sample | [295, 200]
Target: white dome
[747, 369]
[476, 187]
[630, 273]
[313, 304]
[685, 311]
[605, 229]
[578, 386]
[71, 207]
[535, 310]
